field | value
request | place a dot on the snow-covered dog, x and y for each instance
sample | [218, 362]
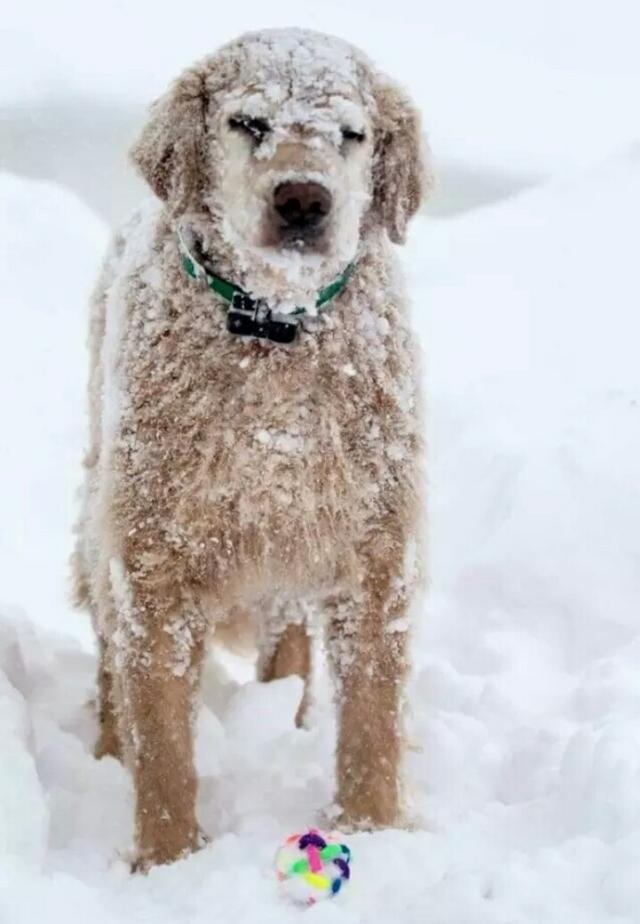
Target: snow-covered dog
[255, 438]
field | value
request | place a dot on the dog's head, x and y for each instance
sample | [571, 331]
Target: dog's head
[289, 147]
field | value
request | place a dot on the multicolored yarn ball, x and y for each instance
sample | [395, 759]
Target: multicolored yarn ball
[313, 866]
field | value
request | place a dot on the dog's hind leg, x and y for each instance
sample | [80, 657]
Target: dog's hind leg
[108, 743]
[285, 648]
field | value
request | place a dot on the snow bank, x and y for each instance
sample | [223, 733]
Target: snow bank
[524, 762]
[510, 92]
[23, 814]
[50, 249]
[533, 86]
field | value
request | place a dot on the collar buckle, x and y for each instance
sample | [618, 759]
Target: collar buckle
[249, 317]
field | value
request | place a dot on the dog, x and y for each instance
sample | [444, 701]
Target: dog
[255, 437]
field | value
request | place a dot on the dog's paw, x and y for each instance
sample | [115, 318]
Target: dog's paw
[168, 852]
[334, 818]
[351, 822]
[108, 745]
[145, 861]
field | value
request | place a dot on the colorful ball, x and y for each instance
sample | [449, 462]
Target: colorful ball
[313, 866]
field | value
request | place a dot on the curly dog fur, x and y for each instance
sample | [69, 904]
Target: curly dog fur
[231, 478]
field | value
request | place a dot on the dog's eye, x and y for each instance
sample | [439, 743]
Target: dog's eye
[350, 134]
[257, 129]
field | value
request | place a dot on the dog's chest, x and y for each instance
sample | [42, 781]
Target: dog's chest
[276, 450]
[286, 416]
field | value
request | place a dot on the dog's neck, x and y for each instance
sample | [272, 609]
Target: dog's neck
[247, 315]
[287, 280]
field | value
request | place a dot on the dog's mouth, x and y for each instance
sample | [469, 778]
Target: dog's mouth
[291, 239]
[302, 240]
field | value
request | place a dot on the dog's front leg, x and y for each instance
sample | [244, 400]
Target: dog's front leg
[367, 646]
[160, 640]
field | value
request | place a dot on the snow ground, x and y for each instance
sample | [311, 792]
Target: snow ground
[524, 762]
[523, 770]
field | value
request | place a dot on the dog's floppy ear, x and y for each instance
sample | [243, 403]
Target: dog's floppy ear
[401, 178]
[170, 153]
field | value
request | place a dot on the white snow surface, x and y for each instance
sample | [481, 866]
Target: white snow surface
[523, 768]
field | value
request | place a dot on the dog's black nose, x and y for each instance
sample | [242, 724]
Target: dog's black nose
[302, 205]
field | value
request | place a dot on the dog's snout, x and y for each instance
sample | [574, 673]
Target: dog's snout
[303, 204]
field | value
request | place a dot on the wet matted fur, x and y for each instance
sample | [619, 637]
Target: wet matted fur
[229, 477]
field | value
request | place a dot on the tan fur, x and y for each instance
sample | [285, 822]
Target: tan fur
[291, 654]
[229, 476]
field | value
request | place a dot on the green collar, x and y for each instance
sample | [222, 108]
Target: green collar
[250, 316]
